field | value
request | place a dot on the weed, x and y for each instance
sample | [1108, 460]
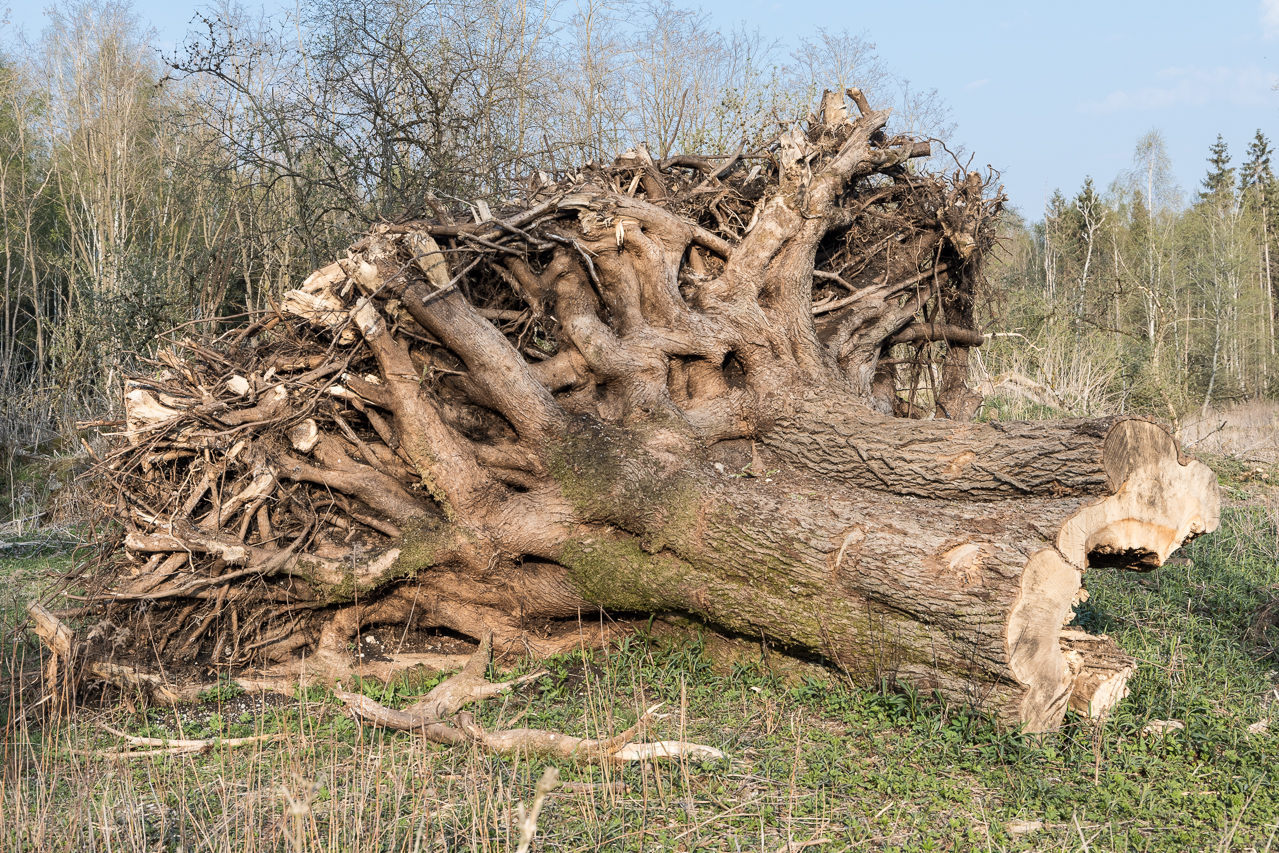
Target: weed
[224, 689]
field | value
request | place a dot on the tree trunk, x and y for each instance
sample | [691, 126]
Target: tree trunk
[664, 388]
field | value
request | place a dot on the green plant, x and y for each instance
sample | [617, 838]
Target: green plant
[224, 689]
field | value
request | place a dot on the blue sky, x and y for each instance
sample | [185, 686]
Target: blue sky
[1047, 93]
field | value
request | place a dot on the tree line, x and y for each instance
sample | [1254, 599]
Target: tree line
[1136, 299]
[143, 192]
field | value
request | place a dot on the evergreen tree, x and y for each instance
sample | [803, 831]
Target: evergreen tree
[1256, 170]
[1086, 202]
[1220, 182]
[1257, 185]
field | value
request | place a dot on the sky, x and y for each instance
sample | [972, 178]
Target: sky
[1047, 93]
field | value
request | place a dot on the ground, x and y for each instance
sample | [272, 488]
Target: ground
[810, 757]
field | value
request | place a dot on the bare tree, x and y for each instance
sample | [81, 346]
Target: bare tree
[672, 51]
[24, 175]
[102, 117]
[838, 61]
[592, 59]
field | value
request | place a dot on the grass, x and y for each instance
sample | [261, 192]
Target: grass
[811, 756]
[1247, 431]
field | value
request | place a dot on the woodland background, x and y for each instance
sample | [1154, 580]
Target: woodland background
[145, 197]
[144, 193]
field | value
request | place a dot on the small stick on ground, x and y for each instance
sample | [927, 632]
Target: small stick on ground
[528, 821]
[174, 746]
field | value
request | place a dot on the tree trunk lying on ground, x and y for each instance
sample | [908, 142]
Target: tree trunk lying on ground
[692, 385]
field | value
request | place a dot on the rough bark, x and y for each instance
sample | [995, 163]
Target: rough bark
[934, 459]
[658, 387]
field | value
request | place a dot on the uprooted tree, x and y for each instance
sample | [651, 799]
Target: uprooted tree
[729, 387]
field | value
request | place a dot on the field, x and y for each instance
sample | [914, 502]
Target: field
[814, 762]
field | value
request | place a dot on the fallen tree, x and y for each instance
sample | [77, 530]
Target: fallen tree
[696, 385]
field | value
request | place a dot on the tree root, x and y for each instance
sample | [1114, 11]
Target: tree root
[438, 716]
[517, 423]
[428, 717]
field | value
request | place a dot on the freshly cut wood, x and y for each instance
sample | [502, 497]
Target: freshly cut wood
[1101, 672]
[239, 386]
[1158, 500]
[142, 411]
[318, 301]
[305, 436]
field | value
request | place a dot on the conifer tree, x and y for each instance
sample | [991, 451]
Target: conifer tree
[1256, 170]
[1220, 181]
[1257, 184]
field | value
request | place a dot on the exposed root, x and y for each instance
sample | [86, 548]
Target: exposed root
[466, 687]
[271, 478]
[439, 717]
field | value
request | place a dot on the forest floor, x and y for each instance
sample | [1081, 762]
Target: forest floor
[814, 762]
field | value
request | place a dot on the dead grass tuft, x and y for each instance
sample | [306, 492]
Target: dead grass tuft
[1247, 431]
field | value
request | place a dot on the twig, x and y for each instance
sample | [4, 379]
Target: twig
[528, 821]
[170, 746]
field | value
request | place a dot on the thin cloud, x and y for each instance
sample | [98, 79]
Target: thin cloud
[1269, 18]
[977, 84]
[1193, 87]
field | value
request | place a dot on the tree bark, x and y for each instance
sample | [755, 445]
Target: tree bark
[651, 402]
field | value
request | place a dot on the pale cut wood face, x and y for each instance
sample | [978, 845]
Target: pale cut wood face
[1160, 500]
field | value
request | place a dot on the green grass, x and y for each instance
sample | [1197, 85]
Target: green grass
[811, 756]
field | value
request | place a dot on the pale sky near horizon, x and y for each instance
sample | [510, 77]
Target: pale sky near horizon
[1045, 92]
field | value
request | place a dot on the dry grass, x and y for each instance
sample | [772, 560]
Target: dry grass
[1247, 431]
[327, 784]
[1026, 379]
